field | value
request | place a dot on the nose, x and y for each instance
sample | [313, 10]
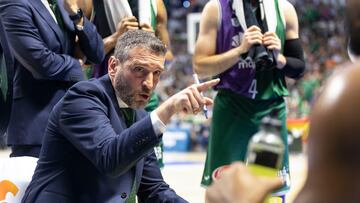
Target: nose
[149, 81]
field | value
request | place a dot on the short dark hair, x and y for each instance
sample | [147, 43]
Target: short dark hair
[137, 38]
[353, 25]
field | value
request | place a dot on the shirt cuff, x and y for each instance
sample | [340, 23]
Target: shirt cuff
[158, 125]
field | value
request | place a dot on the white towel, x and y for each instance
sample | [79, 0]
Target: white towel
[270, 13]
[145, 10]
[115, 11]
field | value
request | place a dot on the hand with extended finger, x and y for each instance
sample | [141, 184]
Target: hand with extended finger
[188, 100]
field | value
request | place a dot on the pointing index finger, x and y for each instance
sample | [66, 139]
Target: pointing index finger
[205, 85]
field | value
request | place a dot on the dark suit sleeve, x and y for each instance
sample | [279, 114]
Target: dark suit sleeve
[88, 120]
[34, 54]
[153, 187]
[91, 42]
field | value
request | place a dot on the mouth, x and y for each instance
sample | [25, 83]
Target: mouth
[145, 96]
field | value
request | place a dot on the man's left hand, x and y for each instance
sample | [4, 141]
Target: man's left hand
[146, 27]
[272, 42]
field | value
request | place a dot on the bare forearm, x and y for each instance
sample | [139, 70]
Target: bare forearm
[164, 37]
[216, 64]
[110, 42]
[163, 34]
[72, 7]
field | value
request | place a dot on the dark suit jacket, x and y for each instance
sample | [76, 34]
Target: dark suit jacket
[89, 155]
[44, 66]
[6, 71]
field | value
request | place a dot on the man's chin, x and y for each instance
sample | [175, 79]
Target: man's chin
[140, 104]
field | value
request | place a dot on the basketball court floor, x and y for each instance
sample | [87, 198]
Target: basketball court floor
[183, 172]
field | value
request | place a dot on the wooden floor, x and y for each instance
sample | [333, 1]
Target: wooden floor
[183, 172]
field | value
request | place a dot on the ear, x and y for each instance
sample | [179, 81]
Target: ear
[112, 66]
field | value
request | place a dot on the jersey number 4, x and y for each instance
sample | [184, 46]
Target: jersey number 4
[252, 90]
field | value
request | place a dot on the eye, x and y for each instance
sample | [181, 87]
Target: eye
[139, 69]
[157, 73]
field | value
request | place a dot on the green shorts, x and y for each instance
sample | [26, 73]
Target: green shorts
[235, 119]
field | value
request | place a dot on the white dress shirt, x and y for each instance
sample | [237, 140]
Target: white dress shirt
[158, 125]
[47, 5]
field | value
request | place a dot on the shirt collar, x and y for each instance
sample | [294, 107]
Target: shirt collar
[121, 103]
[46, 4]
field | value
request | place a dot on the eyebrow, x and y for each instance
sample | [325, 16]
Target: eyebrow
[137, 62]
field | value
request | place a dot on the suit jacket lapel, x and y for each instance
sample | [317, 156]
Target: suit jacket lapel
[105, 80]
[44, 12]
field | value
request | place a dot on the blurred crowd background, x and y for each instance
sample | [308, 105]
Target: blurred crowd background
[322, 31]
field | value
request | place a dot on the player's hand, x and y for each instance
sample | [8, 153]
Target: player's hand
[127, 23]
[272, 42]
[251, 36]
[146, 27]
[187, 100]
[237, 184]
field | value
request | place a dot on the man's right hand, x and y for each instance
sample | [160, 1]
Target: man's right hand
[127, 23]
[237, 184]
[188, 101]
[252, 36]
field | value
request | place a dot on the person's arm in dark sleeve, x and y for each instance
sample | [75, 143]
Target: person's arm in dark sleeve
[292, 63]
[111, 152]
[29, 48]
[295, 63]
[91, 43]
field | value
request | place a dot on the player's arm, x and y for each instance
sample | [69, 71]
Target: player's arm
[205, 62]
[128, 23]
[293, 62]
[161, 28]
